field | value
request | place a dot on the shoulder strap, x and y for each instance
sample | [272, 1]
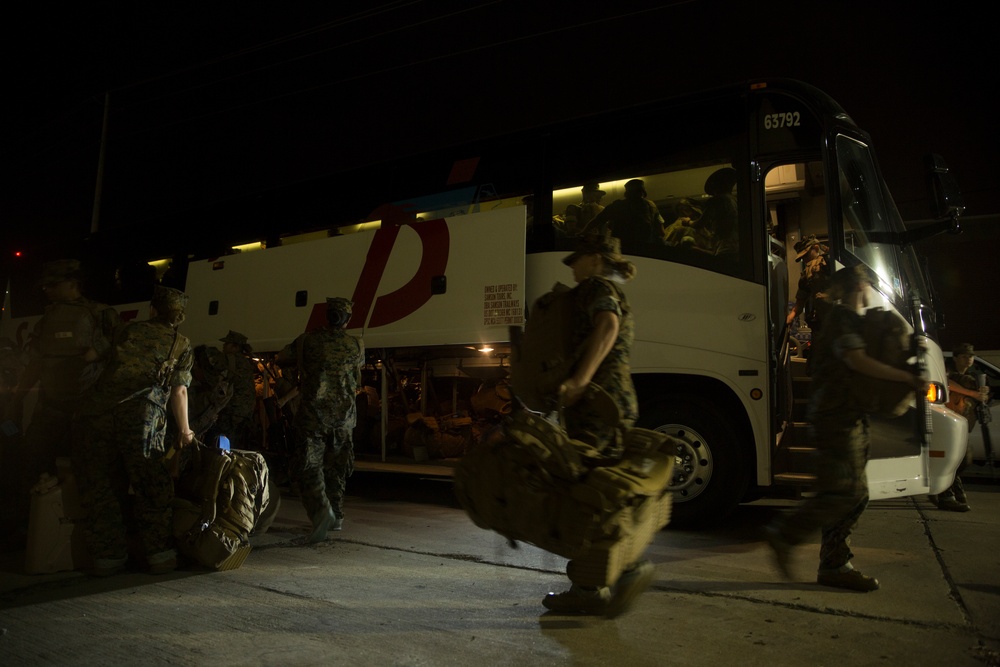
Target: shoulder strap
[168, 366]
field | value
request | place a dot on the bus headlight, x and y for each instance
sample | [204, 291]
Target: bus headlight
[935, 393]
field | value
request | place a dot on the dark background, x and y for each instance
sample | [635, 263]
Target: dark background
[225, 115]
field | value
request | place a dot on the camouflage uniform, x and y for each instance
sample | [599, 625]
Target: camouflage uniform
[323, 458]
[69, 329]
[65, 378]
[614, 375]
[635, 220]
[236, 417]
[840, 431]
[125, 422]
[812, 285]
[956, 492]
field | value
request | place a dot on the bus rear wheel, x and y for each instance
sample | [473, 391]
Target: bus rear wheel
[711, 474]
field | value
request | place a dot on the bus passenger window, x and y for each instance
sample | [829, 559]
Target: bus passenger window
[687, 216]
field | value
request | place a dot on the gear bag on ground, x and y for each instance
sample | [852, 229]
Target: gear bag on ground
[222, 497]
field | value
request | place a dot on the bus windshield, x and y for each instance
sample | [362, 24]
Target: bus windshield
[866, 208]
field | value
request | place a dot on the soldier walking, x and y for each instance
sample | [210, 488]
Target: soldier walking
[329, 364]
[839, 428]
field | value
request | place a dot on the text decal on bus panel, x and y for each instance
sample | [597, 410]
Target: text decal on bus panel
[501, 305]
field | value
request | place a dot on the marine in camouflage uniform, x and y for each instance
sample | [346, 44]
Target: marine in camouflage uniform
[839, 430]
[125, 422]
[604, 333]
[235, 419]
[811, 295]
[594, 295]
[635, 220]
[329, 362]
[964, 393]
[69, 346]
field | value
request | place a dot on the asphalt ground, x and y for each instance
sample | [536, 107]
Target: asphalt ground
[411, 581]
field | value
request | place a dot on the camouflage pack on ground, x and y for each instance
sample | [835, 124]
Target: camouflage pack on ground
[222, 497]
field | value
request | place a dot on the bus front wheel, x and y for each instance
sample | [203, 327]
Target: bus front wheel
[710, 472]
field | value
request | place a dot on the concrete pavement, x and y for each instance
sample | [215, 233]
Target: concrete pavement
[410, 581]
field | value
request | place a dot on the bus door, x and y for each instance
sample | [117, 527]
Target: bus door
[795, 209]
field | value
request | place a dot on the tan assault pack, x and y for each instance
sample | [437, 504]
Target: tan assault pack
[222, 498]
[542, 356]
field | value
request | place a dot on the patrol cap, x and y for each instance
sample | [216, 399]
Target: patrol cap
[234, 337]
[169, 296]
[339, 304]
[59, 270]
[597, 244]
[963, 348]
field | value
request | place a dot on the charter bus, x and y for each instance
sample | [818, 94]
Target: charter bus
[442, 253]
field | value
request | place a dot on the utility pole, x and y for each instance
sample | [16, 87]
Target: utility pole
[100, 165]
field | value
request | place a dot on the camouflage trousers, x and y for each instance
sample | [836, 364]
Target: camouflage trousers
[321, 462]
[841, 495]
[120, 468]
[49, 436]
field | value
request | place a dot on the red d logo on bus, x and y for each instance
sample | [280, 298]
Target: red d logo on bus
[392, 307]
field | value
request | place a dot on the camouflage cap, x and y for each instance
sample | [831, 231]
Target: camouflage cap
[340, 304]
[234, 337]
[803, 246]
[169, 296]
[606, 246]
[59, 270]
[963, 348]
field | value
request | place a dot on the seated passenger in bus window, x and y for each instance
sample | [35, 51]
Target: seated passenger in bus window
[682, 230]
[635, 220]
[715, 229]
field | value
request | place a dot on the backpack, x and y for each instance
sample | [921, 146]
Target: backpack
[68, 330]
[887, 340]
[221, 499]
[531, 482]
[541, 354]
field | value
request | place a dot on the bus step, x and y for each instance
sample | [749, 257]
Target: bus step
[794, 478]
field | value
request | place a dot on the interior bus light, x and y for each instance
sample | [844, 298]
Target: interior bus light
[935, 393]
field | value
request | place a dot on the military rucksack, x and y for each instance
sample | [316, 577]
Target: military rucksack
[222, 498]
[542, 356]
[67, 331]
[531, 482]
[886, 340]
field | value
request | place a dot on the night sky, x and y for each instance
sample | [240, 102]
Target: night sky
[215, 108]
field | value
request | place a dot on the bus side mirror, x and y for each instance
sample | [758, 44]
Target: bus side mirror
[948, 202]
